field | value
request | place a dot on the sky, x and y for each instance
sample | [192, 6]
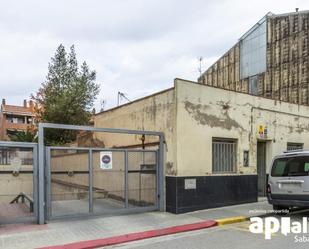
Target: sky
[136, 47]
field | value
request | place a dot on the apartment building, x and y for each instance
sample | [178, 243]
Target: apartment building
[15, 118]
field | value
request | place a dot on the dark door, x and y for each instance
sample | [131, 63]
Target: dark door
[261, 168]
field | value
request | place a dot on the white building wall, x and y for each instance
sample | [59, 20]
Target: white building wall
[205, 112]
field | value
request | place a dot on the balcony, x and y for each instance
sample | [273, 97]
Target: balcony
[16, 126]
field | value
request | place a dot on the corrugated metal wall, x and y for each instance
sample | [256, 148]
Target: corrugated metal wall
[287, 66]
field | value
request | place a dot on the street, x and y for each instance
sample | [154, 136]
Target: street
[229, 236]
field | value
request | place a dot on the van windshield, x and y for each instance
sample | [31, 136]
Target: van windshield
[291, 166]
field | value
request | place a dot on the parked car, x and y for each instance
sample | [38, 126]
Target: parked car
[288, 182]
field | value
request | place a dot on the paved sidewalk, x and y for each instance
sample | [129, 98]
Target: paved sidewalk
[63, 232]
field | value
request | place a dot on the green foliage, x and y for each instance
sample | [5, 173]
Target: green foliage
[67, 95]
[23, 136]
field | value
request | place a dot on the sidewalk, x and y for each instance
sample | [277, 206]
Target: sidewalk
[63, 232]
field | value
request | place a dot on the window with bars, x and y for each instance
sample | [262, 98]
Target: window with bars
[295, 146]
[224, 155]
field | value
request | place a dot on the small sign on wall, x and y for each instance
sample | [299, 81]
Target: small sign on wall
[106, 160]
[190, 183]
[262, 130]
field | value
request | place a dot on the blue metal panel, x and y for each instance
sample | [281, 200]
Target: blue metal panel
[253, 51]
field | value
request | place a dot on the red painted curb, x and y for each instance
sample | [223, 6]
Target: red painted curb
[88, 244]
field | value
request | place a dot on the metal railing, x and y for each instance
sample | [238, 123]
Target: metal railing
[23, 197]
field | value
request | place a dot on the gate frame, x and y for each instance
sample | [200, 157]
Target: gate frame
[42, 161]
[35, 175]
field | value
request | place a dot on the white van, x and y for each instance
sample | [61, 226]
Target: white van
[288, 182]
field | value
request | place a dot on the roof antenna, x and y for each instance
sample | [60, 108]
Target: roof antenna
[103, 103]
[121, 96]
[200, 59]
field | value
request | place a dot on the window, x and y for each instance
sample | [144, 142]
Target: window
[224, 155]
[253, 85]
[29, 120]
[16, 119]
[295, 146]
[253, 51]
[291, 166]
[246, 158]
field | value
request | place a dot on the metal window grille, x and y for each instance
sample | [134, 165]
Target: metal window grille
[224, 153]
[295, 146]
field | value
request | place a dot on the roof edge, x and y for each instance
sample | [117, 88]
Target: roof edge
[234, 91]
[136, 100]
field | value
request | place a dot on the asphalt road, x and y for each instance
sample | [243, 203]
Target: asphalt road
[234, 236]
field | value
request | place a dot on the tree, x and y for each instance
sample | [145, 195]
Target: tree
[23, 136]
[67, 95]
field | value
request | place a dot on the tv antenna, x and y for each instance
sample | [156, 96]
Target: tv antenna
[102, 103]
[200, 59]
[122, 96]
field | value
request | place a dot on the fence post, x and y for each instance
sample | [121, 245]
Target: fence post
[90, 168]
[161, 173]
[126, 183]
[41, 201]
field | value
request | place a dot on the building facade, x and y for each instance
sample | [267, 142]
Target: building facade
[270, 60]
[15, 118]
[219, 143]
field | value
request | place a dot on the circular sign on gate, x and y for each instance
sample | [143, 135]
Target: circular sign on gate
[106, 159]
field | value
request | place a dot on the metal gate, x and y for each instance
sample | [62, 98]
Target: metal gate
[82, 181]
[57, 181]
[18, 184]
[77, 184]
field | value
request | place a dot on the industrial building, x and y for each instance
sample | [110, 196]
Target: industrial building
[219, 143]
[270, 60]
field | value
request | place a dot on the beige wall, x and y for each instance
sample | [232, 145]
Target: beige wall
[11, 185]
[154, 113]
[205, 112]
[192, 114]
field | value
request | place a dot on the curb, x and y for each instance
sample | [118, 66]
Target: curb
[135, 236]
[88, 244]
[231, 220]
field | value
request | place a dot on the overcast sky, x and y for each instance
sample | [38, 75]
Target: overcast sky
[136, 46]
